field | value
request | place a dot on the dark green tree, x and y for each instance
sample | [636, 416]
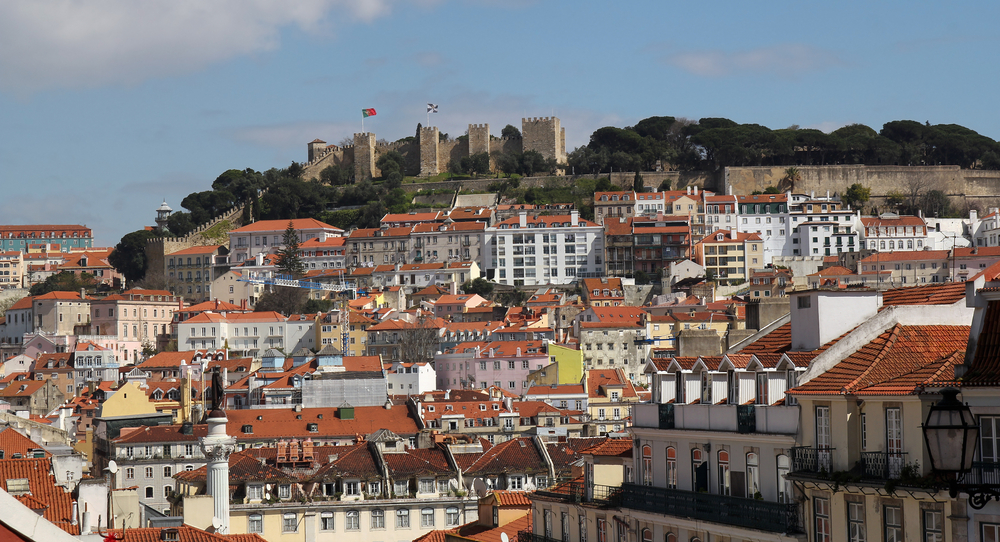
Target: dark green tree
[772, 190]
[510, 132]
[289, 261]
[638, 184]
[857, 195]
[129, 255]
[391, 161]
[65, 281]
[479, 286]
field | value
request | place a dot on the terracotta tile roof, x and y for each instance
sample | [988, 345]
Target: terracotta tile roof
[620, 316]
[947, 293]
[286, 423]
[355, 461]
[612, 447]
[545, 221]
[897, 361]
[483, 533]
[597, 378]
[905, 255]
[417, 461]
[515, 455]
[762, 198]
[511, 498]
[23, 303]
[835, 271]
[777, 341]
[561, 389]
[282, 225]
[185, 533]
[740, 360]
[727, 238]
[12, 442]
[42, 488]
[905, 220]
[159, 433]
[242, 468]
[22, 388]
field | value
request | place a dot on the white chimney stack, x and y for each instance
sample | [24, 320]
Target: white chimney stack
[522, 219]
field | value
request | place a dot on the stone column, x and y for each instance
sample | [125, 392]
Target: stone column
[217, 446]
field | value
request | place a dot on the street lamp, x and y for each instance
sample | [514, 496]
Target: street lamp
[951, 433]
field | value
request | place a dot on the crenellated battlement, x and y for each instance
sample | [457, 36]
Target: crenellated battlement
[540, 119]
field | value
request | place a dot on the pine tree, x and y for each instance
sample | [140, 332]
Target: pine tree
[289, 262]
[638, 184]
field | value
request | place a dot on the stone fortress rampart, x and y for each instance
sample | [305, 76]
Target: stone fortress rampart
[429, 155]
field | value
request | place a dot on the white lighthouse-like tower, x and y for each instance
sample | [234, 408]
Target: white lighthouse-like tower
[217, 445]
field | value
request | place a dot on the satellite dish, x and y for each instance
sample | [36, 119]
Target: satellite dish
[267, 486]
[504, 537]
[453, 484]
[529, 486]
[112, 466]
[479, 487]
[267, 496]
[216, 523]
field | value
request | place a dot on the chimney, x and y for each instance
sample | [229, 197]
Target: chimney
[819, 316]
[689, 190]
[732, 233]
[695, 190]
[812, 194]
[574, 217]
[522, 219]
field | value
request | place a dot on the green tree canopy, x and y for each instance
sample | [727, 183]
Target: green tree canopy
[479, 286]
[856, 195]
[129, 255]
[289, 261]
[511, 132]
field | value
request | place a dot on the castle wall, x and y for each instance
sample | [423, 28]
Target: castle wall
[453, 149]
[479, 138]
[364, 157]
[203, 235]
[971, 185]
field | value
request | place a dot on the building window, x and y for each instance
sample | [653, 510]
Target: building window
[892, 520]
[671, 468]
[724, 488]
[451, 516]
[129, 473]
[255, 523]
[934, 526]
[647, 465]
[353, 521]
[427, 517]
[402, 519]
[149, 472]
[149, 492]
[821, 517]
[284, 491]
[583, 528]
[990, 532]
[289, 523]
[378, 518]
[855, 521]
[255, 492]
[602, 530]
[326, 520]
[784, 484]
[753, 475]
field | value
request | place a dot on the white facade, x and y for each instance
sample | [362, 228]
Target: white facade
[411, 378]
[265, 236]
[557, 249]
[766, 215]
[889, 232]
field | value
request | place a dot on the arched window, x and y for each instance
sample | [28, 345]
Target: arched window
[724, 488]
[378, 518]
[670, 537]
[352, 521]
[671, 467]
[647, 535]
[753, 475]
[647, 465]
[784, 485]
[699, 470]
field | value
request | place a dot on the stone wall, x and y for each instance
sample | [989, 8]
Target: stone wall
[206, 234]
[430, 152]
[364, 156]
[546, 136]
[479, 138]
[961, 185]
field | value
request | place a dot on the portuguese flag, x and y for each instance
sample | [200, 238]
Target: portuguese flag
[367, 113]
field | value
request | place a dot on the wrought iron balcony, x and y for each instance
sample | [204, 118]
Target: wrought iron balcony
[577, 492]
[883, 465]
[811, 459]
[983, 473]
[727, 510]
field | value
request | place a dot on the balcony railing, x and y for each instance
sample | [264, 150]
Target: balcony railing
[746, 419]
[983, 473]
[577, 492]
[736, 511]
[813, 460]
[883, 465]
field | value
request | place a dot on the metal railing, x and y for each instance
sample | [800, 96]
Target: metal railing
[983, 473]
[812, 459]
[883, 465]
[577, 492]
[746, 419]
[736, 511]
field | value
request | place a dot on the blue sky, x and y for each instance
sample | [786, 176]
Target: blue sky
[108, 107]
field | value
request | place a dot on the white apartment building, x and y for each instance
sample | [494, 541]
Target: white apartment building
[410, 378]
[536, 250]
[767, 216]
[721, 213]
[889, 231]
[324, 252]
[250, 333]
[266, 236]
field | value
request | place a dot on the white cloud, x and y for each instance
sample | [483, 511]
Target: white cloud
[785, 60]
[90, 43]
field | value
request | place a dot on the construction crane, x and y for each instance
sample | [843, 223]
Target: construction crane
[347, 292]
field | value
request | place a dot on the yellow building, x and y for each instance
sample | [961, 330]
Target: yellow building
[127, 400]
[329, 332]
[610, 395]
[729, 255]
[566, 367]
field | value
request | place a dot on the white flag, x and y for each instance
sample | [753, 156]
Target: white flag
[432, 108]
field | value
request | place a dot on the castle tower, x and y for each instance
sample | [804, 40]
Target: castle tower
[163, 215]
[217, 445]
[479, 138]
[429, 152]
[316, 147]
[364, 156]
[545, 136]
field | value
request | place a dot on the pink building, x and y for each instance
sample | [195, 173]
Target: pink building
[505, 364]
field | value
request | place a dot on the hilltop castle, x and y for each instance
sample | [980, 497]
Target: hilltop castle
[428, 155]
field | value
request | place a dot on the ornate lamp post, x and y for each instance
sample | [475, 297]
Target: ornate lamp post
[951, 433]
